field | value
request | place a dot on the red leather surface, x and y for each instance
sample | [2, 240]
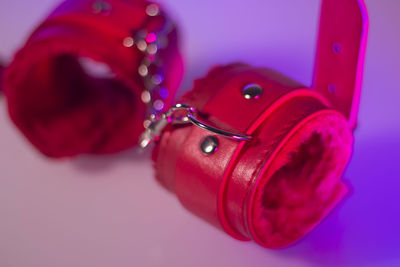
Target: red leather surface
[63, 110]
[339, 62]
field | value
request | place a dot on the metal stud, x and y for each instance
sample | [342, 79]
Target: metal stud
[209, 145]
[252, 91]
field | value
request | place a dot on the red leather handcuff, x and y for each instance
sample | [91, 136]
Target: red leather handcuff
[263, 156]
[249, 150]
[66, 110]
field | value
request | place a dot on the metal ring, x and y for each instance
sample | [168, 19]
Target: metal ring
[192, 112]
[178, 119]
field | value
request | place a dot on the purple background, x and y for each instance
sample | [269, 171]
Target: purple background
[109, 211]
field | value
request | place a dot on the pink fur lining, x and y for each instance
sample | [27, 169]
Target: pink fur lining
[303, 183]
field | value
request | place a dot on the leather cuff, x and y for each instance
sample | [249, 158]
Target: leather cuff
[87, 76]
[273, 189]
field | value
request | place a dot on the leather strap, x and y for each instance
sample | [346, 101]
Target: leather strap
[62, 108]
[339, 63]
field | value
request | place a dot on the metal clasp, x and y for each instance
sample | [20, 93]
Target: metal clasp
[157, 124]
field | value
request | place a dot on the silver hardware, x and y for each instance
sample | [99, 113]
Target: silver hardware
[128, 42]
[152, 49]
[146, 97]
[143, 70]
[151, 68]
[146, 123]
[153, 130]
[209, 145]
[252, 91]
[158, 123]
[141, 45]
[152, 10]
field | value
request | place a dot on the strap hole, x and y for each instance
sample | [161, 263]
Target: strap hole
[337, 48]
[332, 88]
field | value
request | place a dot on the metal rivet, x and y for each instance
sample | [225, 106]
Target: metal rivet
[252, 91]
[128, 42]
[152, 10]
[209, 145]
[146, 97]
